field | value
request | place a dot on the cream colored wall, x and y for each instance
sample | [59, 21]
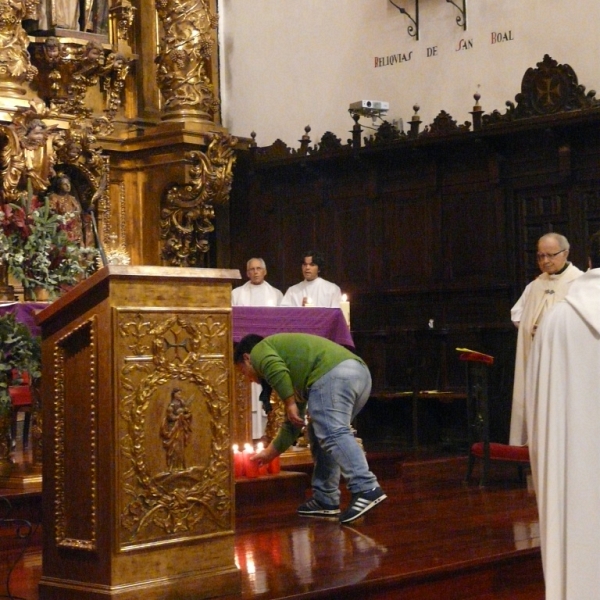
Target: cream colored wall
[286, 64]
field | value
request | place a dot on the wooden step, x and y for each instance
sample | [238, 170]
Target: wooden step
[255, 496]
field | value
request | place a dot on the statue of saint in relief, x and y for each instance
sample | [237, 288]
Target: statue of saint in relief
[175, 431]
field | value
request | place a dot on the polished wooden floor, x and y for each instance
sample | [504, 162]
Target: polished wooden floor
[435, 537]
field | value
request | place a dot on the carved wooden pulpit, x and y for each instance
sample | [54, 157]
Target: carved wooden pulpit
[138, 489]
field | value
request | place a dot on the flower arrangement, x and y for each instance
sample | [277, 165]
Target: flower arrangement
[35, 242]
[19, 351]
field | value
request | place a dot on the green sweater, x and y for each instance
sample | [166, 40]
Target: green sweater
[291, 363]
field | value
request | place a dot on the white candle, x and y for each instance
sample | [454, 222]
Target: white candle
[345, 306]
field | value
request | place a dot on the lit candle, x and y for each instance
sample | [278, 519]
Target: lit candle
[250, 466]
[345, 306]
[238, 462]
[262, 469]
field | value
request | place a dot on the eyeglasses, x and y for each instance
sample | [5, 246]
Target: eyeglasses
[542, 256]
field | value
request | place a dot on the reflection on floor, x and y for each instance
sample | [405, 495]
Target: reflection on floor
[435, 537]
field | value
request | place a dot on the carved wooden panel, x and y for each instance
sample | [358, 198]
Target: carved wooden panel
[441, 225]
[76, 437]
[173, 425]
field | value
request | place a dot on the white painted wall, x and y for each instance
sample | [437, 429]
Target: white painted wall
[286, 64]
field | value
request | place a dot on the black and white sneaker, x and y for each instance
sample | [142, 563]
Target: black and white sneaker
[313, 508]
[362, 503]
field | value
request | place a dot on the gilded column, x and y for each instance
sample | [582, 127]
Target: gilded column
[185, 51]
[15, 63]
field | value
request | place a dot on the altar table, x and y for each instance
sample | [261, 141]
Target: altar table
[326, 322]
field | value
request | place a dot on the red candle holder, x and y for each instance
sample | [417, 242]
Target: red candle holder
[238, 462]
[262, 469]
[274, 466]
[250, 466]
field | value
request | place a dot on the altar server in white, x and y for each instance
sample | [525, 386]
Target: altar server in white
[256, 291]
[563, 419]
[314, 290]
[539, 296]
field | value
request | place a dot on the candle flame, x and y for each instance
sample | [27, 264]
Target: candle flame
[344, 298]
[235, 448]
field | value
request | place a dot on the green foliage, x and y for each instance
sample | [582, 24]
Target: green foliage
[37, 249]
[20, 351]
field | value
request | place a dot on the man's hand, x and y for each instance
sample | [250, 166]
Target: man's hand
[265, 456]
[292, 412]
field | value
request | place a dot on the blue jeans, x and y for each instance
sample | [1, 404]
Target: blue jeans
[333, 402]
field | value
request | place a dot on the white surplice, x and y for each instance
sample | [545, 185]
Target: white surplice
[249, 294]
[319, 292]
[538, 297]
[563, 416]
[263, 294]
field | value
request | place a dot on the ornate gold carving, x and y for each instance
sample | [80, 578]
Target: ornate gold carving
[77, 340]
[33, 153]
[276, 417]
[115, 242]
[185, 49]
[122, 12]
[68, 69]
[28, 155]
[15, 64]
[242, 425]
[161, 354]
[187, 213]
[114, 75]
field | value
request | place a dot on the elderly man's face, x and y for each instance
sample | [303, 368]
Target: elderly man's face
[551, 258]
[309, 269]
[256, 272]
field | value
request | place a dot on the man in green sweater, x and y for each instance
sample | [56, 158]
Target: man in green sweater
[314, 373]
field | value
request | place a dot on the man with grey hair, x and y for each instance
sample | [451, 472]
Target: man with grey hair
[563, 421]
[256, 291]
[539, 296]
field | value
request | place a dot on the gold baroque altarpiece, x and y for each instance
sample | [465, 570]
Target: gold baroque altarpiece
[105, 125]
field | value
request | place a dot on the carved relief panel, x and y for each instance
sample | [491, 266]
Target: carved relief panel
[173, 425]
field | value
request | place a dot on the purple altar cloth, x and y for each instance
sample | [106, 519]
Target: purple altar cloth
[326, 322]
[25, 313]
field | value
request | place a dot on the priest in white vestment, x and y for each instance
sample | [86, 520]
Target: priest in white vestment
[256, 291]
[539, 296]
[563, 420]
[314, 290]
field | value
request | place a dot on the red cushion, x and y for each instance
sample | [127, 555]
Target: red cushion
[20, 395]
[502, 452]
[477, 357]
